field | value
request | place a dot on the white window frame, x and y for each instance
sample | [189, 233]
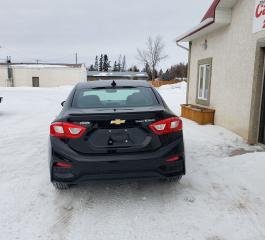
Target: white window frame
[204, 87]
[206, 63]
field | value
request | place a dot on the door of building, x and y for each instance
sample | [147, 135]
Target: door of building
[35, 81]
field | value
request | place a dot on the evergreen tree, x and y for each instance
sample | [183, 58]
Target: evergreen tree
[91, 68]
[119, 64]
[166, 75]
[96, 64]
[100, 67]
[123, 66]
[106, 63]
[115, 67]
[133, 69]
[178, 71]
[147, 69]
[160, 74]
[155, 74]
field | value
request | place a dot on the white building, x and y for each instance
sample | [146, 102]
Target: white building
[226, 66]
[40, 75]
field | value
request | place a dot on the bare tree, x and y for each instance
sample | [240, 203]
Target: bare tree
[153, 54]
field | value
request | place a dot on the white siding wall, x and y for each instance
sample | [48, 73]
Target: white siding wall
[3, 76]
[233, 51]
[48, 77]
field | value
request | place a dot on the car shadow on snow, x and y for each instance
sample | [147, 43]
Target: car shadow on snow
[125, 190]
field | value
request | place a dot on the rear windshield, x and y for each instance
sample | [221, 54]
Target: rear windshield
[114, 98]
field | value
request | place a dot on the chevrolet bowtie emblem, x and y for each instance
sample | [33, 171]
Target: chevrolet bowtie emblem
[117, 122]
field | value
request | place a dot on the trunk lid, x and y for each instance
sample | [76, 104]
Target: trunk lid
[116, 130]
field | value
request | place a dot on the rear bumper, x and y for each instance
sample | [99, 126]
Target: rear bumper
[116, 166]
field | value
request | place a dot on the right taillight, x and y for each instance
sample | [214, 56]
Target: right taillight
[166, 126]
[66, 130]
[62, 165]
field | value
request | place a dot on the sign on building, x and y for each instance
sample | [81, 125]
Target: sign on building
[259, 16]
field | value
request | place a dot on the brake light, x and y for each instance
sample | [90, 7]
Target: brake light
[63, 165]
[66, 130]
[173, 159]
[166, 126]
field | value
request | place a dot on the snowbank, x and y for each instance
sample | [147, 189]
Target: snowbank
[182, 86]
[174, 95]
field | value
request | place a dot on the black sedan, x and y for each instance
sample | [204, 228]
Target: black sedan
[115, 130]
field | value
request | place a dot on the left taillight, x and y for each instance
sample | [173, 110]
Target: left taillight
[66, 130]
[166, 126]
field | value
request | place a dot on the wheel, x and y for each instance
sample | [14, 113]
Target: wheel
[173, 179]
[61, 186]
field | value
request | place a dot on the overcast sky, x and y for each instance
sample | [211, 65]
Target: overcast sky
[53, 30]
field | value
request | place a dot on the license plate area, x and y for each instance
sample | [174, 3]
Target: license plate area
[118, 138]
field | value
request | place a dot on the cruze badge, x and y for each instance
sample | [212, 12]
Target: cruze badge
[117, 122]
[85, 123]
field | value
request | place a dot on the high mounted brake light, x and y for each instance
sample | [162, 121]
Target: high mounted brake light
[66, 130]
[166, 126]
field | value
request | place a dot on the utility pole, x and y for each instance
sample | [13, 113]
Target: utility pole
[76, 58]
[9, 72]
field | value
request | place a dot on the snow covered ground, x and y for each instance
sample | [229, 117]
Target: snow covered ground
[221, 198]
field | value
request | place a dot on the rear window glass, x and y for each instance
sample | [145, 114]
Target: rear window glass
[114, 98]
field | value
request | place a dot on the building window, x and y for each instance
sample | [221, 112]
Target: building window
[204, 81]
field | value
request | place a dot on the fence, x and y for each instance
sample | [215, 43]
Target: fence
[159, 83]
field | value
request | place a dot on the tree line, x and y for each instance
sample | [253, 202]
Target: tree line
[150, 57]
[153, 54]
[179, 71]
[103, 64]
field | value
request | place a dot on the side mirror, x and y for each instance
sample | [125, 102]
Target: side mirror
[62, 103]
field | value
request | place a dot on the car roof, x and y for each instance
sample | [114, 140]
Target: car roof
[108, 83]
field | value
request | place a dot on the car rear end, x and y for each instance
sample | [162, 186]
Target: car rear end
[112, 132]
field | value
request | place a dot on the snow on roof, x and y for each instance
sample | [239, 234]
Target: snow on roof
[42, 65]
[116, 74]
[38, 66]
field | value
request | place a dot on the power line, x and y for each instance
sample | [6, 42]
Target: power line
[20, 56]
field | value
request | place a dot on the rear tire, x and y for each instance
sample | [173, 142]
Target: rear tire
[61, 186]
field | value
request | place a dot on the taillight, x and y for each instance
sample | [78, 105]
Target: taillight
[66, 130]
[166, 126]
[173, 159]
[63, 165]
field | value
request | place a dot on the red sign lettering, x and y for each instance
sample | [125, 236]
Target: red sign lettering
[260, 10]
